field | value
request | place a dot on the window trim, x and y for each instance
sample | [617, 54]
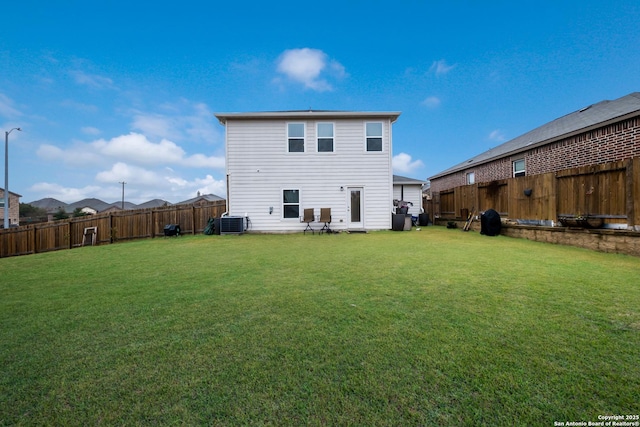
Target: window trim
[333, 137]
[304, 137]
[517, 173]
[367, 137]
[284, 205]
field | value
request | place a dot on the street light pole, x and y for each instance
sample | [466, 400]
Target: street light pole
[123, 183]
[6, 176]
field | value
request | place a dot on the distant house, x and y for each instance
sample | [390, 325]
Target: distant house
[281, 163]
[14, 208]
[201, 199]
[608, 131]
[90, 206]
[50, 205]
[155, 203]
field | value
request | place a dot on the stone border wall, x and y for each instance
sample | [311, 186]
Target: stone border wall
[602, 240]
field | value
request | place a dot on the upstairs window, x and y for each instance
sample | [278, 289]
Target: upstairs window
[518, 168]
[295, 137]
[325, 137]
[471, 178]
[374, 136]
[291, 203]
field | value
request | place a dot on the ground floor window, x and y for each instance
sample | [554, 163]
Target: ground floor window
[291, 203]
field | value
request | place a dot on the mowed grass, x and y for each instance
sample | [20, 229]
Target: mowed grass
[431, 327]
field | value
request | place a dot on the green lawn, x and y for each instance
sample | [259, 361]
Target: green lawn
[431, 327]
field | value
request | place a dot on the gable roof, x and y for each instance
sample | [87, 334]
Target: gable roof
[587, 118]
[95, 204]
[308, 114]
[403, 180]
[203, 197]
[49, 204]
[155, 203]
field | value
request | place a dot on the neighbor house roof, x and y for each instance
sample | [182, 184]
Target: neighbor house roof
[206, 197]
[585, 119]
[49, 204]
[95, 204]
[155, 203]
[308, 114]
[11, 193]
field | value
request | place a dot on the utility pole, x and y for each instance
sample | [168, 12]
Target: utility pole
[6, 176]
[123, 183]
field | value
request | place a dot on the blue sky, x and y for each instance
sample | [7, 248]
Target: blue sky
[111, 91]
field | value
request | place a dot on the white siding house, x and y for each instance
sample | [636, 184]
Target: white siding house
[280, 163]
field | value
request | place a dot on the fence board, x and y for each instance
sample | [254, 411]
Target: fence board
[610, 190]
[494, 195]
[111, 227]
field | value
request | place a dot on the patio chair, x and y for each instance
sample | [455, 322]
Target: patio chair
[325, 216]
[308, 218]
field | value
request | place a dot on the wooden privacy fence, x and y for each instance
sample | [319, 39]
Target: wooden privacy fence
[109, 228]
[608, 191]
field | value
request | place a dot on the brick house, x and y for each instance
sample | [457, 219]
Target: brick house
[14, 208]
[608, 131]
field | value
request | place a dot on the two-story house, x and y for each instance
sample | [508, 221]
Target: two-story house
[14, 208]
[280, 163]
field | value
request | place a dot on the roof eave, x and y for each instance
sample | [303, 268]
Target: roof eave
[519, 150]
[297, 115]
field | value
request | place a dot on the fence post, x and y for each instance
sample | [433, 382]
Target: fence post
[630, 202]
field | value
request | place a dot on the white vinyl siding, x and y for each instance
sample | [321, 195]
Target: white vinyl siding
[409, 193]
[259, 169]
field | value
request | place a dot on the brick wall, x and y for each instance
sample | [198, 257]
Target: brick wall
[612, 143]
[14, 210]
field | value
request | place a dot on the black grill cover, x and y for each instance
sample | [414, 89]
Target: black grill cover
[172, 230]
[490, 224]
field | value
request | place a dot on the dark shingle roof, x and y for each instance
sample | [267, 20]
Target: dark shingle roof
[92, 203]
[596, 114]
[49, 204]
[398, 179]
[205, 197]
[155, 203]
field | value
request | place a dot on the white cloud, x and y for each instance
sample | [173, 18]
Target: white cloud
[441, 67]
[134, 149]
[7, 108]
[431, 102]
[92, 80]
[183, 122]
[403, 163]
[202, 161]
[87, 108]
[209, 185]
[497, 135]
[130, 174]
[90, 130]
[78, 155]
[138, 149]
[306, 66]
[156, 125]
[64, 194]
